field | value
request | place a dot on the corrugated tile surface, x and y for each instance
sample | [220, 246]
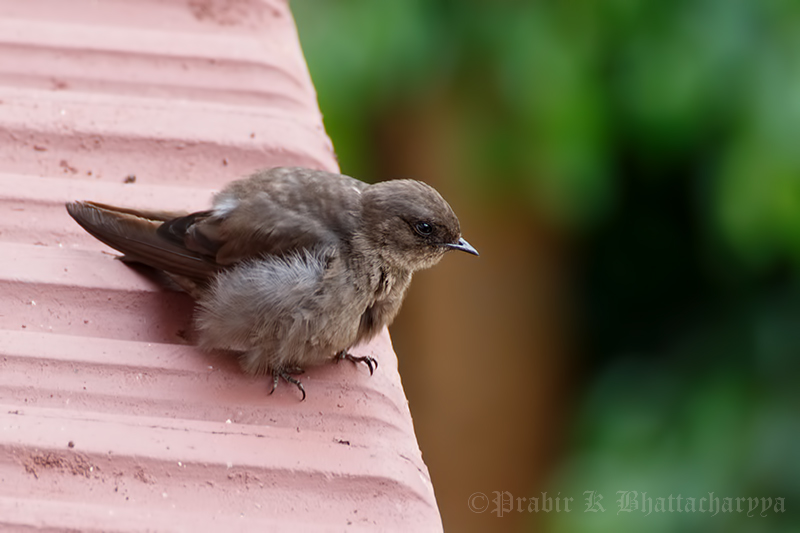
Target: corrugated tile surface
[109, 418]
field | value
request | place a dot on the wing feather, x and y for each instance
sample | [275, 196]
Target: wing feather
[136, 235]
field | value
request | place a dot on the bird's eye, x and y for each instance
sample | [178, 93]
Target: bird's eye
[423, 228]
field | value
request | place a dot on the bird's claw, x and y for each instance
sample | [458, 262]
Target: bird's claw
[371, 362]
[288, 378]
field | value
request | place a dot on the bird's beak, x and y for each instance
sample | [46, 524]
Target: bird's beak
[464, 246]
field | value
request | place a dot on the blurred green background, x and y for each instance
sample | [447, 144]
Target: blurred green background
[630, 172]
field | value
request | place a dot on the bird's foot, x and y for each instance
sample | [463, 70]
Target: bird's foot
[286, 375]
[371, 362]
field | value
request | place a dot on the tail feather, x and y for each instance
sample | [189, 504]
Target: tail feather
[161, 216]
[135, 234]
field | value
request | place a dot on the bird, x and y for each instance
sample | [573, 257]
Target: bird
[290, 267]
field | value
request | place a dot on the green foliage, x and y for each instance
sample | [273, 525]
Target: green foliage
[716, 413]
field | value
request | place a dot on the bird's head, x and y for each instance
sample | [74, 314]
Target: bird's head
[410, 224]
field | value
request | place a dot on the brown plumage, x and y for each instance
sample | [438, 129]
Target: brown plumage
[290, 266]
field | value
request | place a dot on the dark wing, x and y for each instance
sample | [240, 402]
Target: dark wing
[273, 212]
[136, 234]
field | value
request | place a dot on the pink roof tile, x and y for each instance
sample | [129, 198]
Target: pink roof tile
[109, 418]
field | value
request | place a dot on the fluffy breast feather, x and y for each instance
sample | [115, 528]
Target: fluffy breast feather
[278, 310]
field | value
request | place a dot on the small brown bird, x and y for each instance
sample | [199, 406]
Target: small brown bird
[291, 266]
